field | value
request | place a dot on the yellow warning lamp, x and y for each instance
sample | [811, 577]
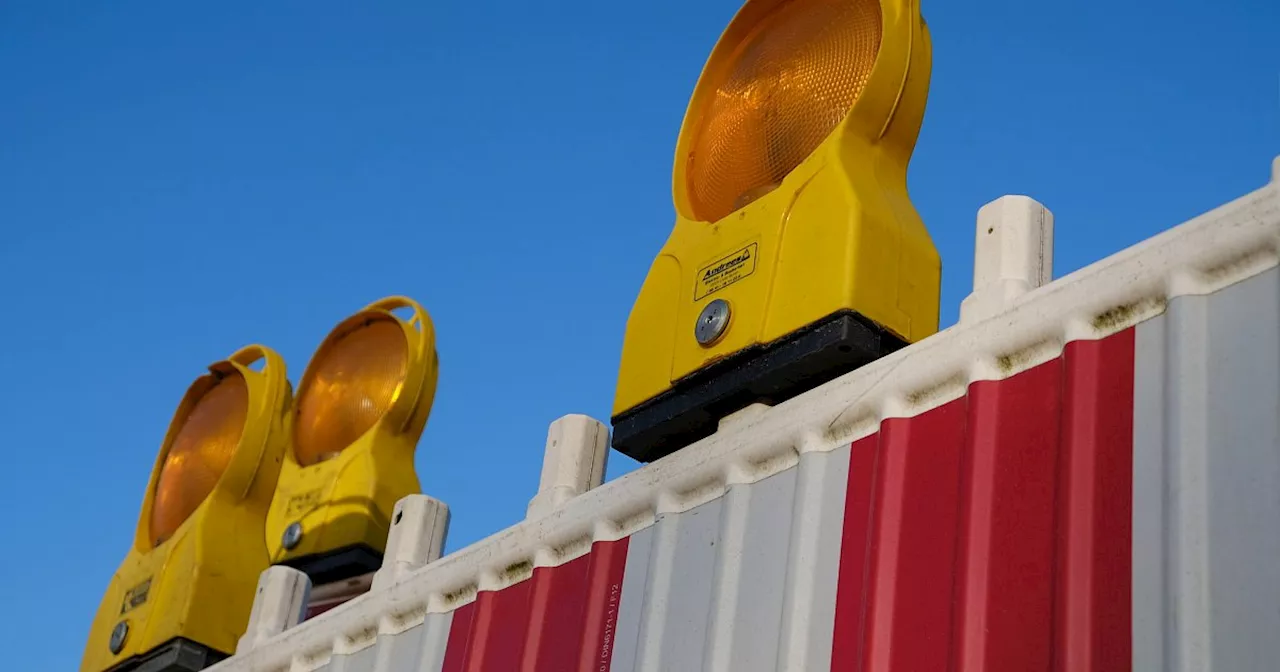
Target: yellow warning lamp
[182, 597]
[361, 406]
[796, 254]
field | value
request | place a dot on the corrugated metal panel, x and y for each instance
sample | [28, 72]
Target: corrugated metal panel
[989, 533]
[971, 528]
[1094, 530]
[1089, 482]
[573, 609]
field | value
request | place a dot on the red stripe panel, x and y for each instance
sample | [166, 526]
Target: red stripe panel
[455, 652]
[600, 621]
[563, 618]
[1095, 496]
[559, 599]
[911, 555]
[497, 640]
[994, 534]
[913, 541]
[851, 587]
[1005, 595]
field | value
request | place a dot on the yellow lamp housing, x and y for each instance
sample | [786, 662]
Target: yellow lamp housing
[181, 598]
[361, 407]
[796, 254]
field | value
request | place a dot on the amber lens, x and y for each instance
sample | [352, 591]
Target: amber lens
[776, 96]
[350, 386]
[198, 455]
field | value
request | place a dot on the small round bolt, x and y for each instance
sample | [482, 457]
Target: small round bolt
[292, 536]
[118, 635]
[712, 322]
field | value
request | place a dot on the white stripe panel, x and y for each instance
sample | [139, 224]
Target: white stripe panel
[1206, 590]
[743, 583]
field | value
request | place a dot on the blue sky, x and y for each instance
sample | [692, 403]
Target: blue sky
[179, 180]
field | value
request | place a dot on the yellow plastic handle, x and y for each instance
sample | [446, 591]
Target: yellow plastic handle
[251, 354]
[392, 303]
[269, 388]
[421, 321]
